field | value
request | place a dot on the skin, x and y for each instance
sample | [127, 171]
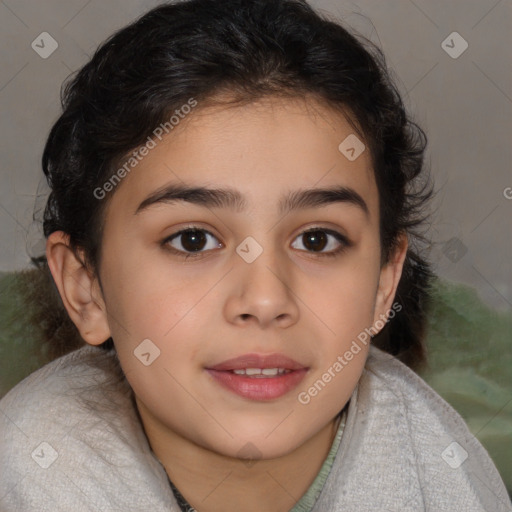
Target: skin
[202, 311]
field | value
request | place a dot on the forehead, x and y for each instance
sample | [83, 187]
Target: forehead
[262, 149]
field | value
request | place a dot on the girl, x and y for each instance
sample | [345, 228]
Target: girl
[235, 196]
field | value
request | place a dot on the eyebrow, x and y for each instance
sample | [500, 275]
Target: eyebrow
[234, 200]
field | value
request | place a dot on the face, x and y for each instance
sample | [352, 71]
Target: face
[207, 280]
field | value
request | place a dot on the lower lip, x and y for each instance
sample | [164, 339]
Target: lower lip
[259, 388]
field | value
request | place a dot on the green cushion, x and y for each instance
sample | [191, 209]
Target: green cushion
[470, 366]
[19, 355]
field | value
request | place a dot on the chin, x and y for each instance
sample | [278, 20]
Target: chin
[259, 447]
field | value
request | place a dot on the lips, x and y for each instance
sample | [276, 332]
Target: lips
[258, 387]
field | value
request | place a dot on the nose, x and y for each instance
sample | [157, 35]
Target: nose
[261, 293]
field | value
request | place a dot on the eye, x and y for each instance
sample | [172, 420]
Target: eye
[317, 239]
[193, 241]
[189, 241]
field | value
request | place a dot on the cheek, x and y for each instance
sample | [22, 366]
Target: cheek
[165, 308]
[144, 299]
[344, 300]
[345, 305]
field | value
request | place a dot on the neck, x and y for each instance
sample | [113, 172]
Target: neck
[209, 480]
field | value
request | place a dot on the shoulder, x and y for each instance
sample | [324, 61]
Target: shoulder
[41, 388]
[70, 433]
[411, 449]
[427, 415]
[386, 376]
[60, 389]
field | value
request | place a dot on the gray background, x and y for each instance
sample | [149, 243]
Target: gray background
[464, 104]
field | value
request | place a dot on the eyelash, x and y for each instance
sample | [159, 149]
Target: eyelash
[343, 240]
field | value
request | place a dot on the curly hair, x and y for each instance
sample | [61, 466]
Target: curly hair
[249, 49]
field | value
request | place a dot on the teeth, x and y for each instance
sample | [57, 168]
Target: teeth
[261, 371]
[253, 371]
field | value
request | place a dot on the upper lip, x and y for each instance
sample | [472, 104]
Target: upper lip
[258, 361]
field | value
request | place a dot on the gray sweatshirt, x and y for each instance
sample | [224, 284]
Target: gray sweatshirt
[71, 440]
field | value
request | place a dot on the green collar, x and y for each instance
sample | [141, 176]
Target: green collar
[306, 503]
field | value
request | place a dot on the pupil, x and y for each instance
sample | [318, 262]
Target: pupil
[316, 240]
[193, 241]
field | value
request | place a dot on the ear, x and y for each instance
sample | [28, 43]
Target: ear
[389, 278]
[78, 288]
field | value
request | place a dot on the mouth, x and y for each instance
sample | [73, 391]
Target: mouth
[259, 377]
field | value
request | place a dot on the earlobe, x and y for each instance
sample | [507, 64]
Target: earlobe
[389, 278]
[78, 289]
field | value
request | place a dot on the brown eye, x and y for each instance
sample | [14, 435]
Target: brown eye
[317, 240]
[191, 241]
